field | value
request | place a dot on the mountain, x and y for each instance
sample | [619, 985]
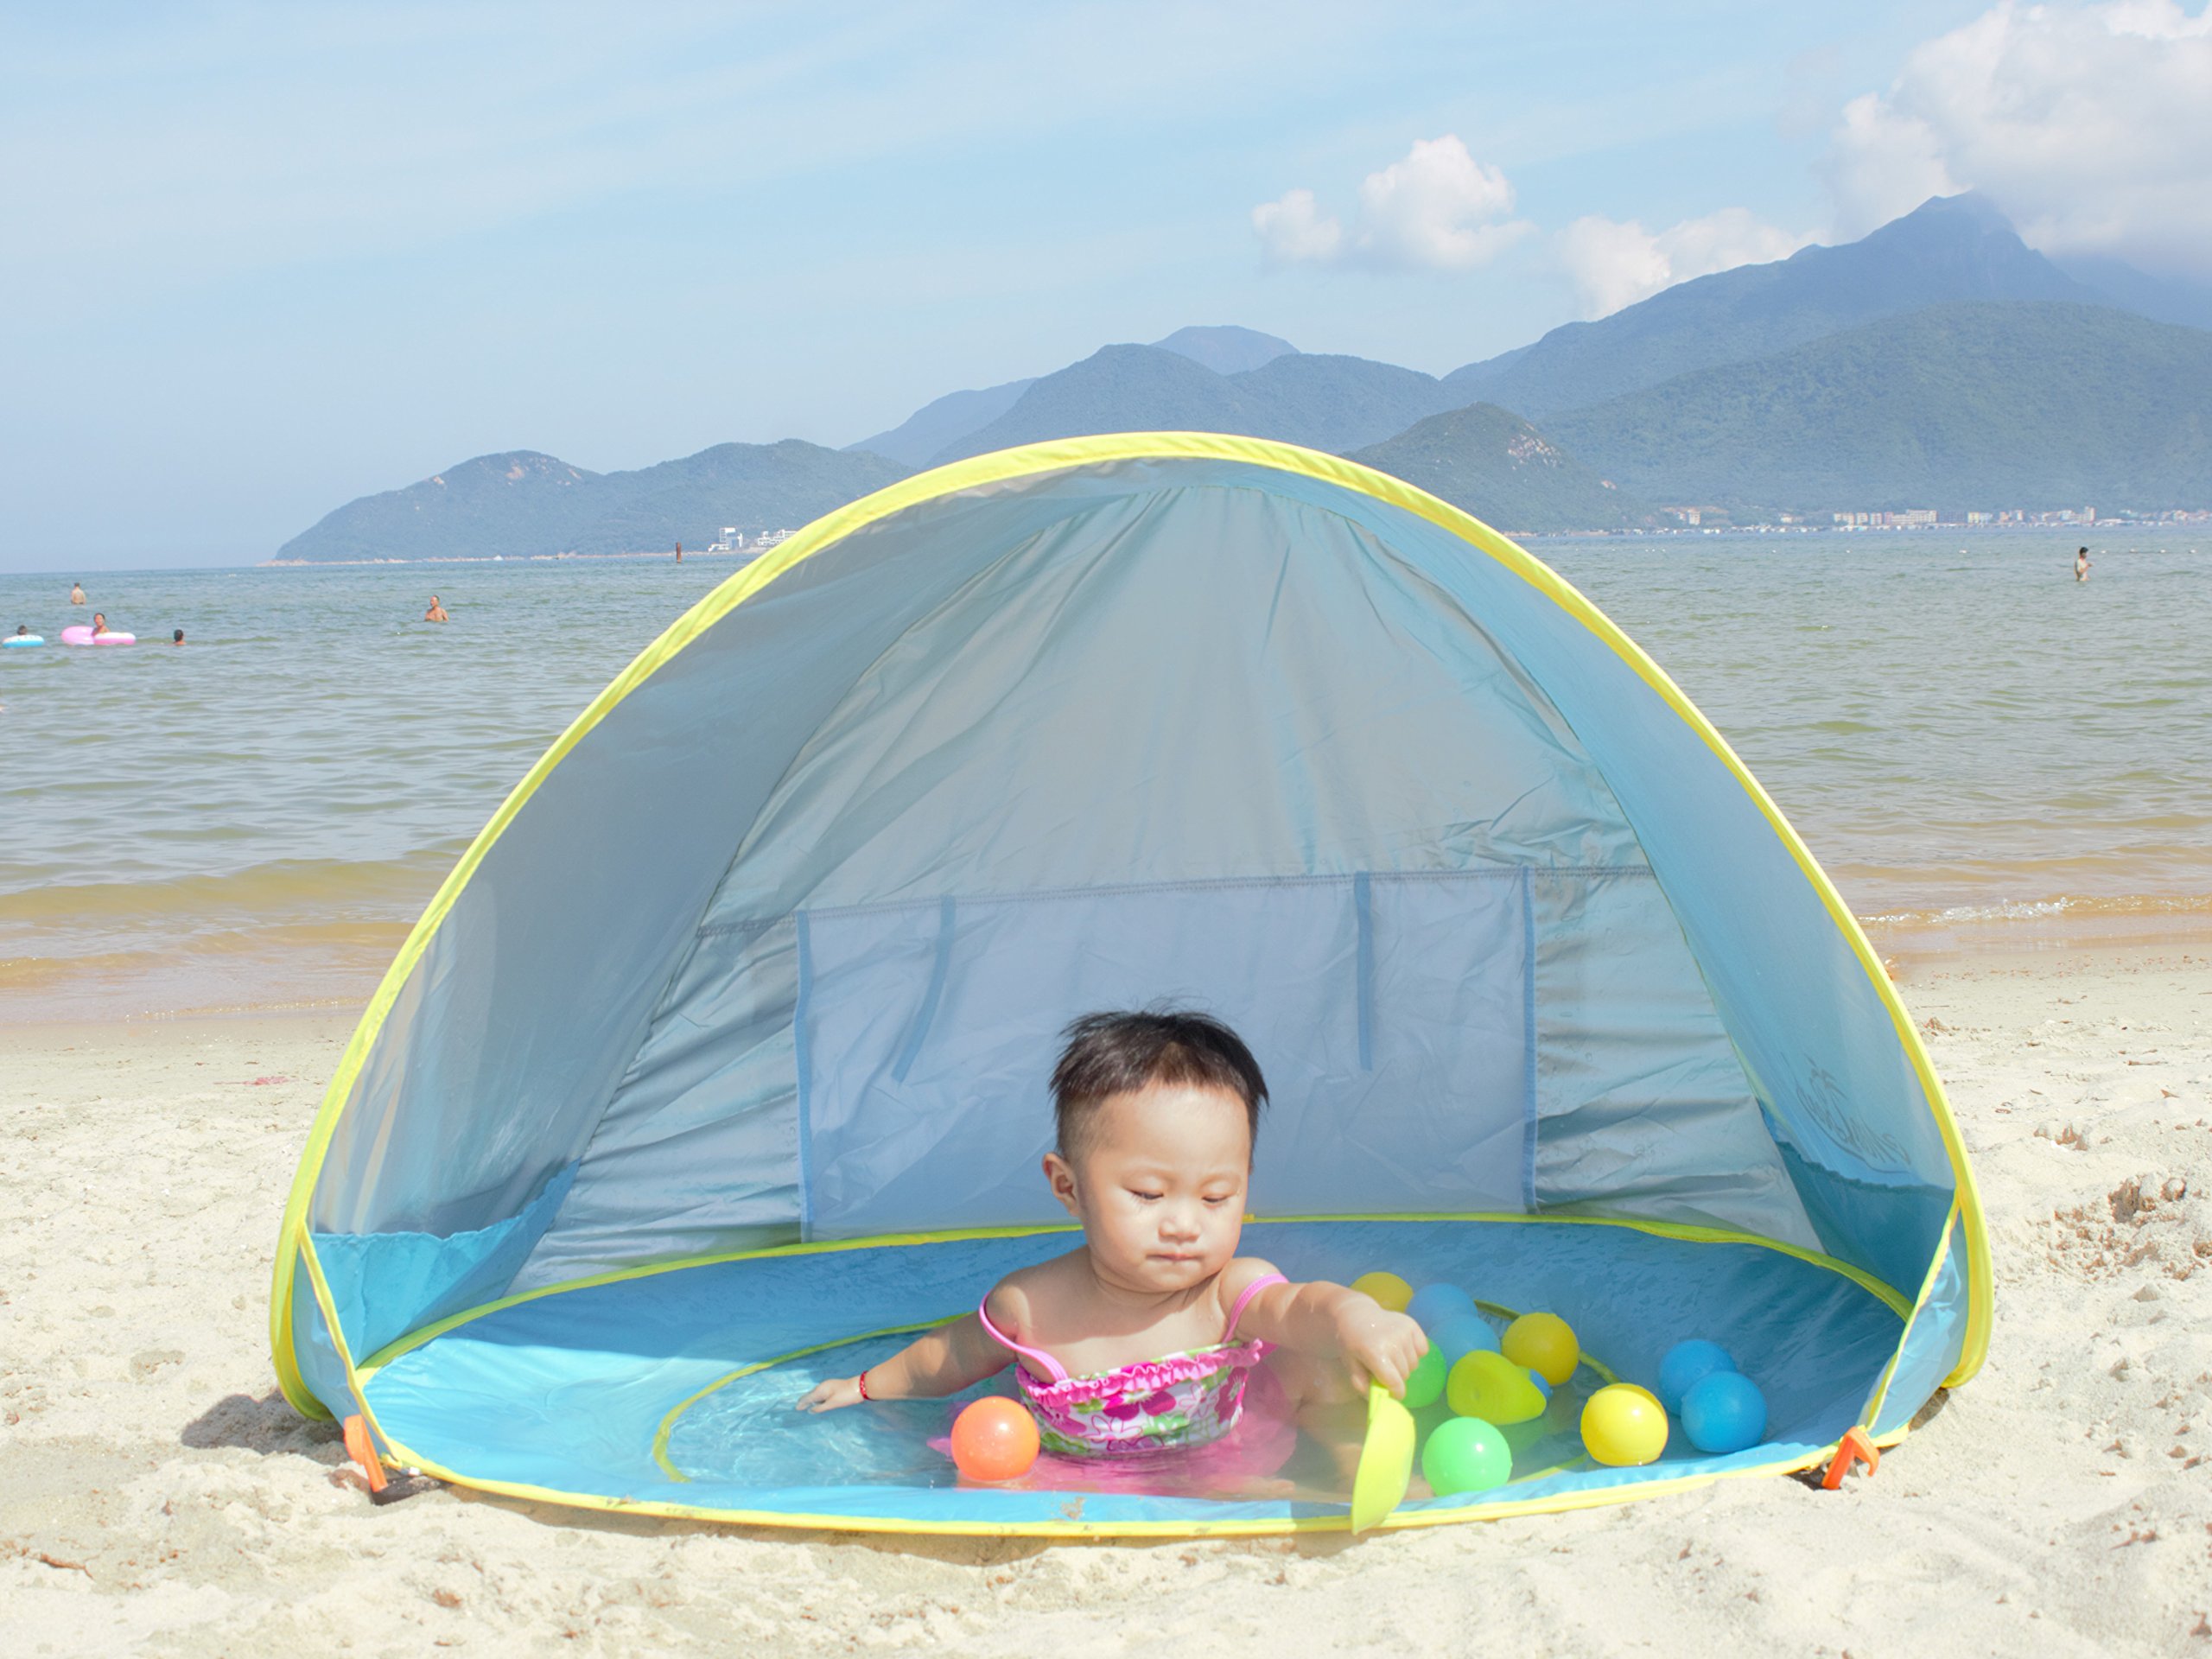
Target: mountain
[1497, 467]
[1227, 349]
[1324, 402]
[521, 499]
[1949, 248]
[938, 427]
[523, 504]
[2164, 299]
[946, 420]
[1970, 405]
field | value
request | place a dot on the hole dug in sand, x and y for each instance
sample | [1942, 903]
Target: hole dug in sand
[2147, 1218]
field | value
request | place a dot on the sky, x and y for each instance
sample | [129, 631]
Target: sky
[256, 261]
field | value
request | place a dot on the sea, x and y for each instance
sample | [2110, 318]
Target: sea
[1983, 754]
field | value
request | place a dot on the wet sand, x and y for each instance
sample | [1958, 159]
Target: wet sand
[157, 1496]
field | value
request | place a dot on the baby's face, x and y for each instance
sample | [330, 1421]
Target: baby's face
[1160, 1187]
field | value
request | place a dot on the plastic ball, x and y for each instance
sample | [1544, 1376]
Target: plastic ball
[1687, 1364]
[1463, 1334]
[1425, 1385]
[1624, 1427]
[1724, 1411]
[1543, 1342]
[993, 1439]
[1491, 1387]
[1542, 1387]
[1465, 1454]
[1433, 1304]
[1387, 1288]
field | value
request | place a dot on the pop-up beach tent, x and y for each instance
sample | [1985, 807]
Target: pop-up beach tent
[719, 1064]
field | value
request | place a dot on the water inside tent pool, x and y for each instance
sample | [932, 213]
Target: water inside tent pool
[742, 1433]
[677, 1389]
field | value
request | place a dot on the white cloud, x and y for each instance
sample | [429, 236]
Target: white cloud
[2089, 126]
[1615, 262]
[1437, 209]
[1295, 231]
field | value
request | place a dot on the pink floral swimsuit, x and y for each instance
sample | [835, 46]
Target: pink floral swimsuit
[1179, 1401]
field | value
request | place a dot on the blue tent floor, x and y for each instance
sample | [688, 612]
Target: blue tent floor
[673, 1391]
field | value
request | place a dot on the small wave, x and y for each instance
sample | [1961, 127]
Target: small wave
[386, 886]
[2017, 910]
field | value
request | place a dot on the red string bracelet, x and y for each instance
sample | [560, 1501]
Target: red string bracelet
[862, 1383]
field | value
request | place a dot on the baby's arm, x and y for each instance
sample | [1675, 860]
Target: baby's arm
[938, 1362]
[1328, 1321]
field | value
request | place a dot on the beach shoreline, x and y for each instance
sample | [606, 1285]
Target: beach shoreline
[157, 1494]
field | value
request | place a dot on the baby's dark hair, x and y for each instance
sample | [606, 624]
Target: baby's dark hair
[1114, 1053]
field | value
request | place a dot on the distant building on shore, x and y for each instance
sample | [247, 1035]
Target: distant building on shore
[1913, 519]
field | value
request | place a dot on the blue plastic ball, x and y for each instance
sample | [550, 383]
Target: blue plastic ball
[1687, 1364]
[1433, 1304]
[1461, 1335]
[1722, 1411]
[1542, 1387]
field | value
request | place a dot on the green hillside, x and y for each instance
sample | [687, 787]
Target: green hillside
[525, 504]
[1497, 467]
[1948, 249]
[1956, 406]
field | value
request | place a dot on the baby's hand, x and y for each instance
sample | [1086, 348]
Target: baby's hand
[828, 1397]
[1379, 1345]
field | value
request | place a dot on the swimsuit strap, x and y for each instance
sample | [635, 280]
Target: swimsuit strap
[1058, 1372]
[1244, 1296]
[984, 1313]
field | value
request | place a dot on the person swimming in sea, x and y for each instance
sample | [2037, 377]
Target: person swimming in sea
[76, 593]
[437, 612]
[2082, 565]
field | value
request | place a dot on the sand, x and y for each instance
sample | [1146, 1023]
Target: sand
[157, 1496]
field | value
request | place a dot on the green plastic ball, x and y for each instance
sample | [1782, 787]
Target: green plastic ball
[1465, 1455]
[1424, 1387]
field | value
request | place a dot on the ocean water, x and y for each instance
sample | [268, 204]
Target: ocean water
[1968, 740]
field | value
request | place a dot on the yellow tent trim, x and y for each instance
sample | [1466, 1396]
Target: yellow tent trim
[1059, 455]
[402, 1455]
[1880, 1396]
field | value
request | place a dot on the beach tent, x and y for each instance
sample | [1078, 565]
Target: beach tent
[719, 1063]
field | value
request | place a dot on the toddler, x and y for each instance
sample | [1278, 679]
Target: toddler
[1145, 1336]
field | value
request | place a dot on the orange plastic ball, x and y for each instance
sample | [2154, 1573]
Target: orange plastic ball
[993, 1439]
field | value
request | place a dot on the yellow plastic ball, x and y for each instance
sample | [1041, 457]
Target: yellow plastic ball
[1545, 1343]
[1491, 1387]
[1624, 1425]
[1387, 1288]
